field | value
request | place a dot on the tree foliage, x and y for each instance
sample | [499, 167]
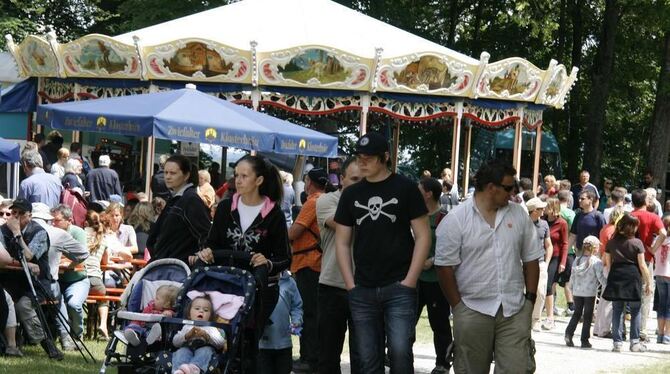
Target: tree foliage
[569, 31]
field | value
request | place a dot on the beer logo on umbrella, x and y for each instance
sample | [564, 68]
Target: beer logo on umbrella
[302, 144]
[102, 121]
[210, 134]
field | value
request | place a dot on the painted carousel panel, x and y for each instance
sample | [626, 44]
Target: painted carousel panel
[426, 73]
[198, 60]
[37, 58]
[510, 79]
[99, 56]
[315, 67]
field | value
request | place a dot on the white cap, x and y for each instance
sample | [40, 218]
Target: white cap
[104, 160]
[535, 203]
[41, 210]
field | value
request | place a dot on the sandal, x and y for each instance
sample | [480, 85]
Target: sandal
[102, 334]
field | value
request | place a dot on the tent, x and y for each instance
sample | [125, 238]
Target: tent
[188, 115]
[10, 154]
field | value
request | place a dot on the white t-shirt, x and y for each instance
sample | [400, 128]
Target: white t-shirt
[248, 214]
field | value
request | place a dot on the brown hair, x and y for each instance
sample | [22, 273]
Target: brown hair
[213, 314]
[627, 226]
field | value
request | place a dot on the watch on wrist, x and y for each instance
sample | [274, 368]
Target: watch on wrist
[531, 297]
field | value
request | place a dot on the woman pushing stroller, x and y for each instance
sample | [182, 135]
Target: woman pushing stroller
[249, 231]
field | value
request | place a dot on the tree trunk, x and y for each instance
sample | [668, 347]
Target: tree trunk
[476, 49]
[574, 108]
[453, 21]
[659, 138]
[600, 87]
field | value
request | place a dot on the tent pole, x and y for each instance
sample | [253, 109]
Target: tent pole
[15, 177]
[538, 150]
[466, 166]
[396, 145]
[149, 165]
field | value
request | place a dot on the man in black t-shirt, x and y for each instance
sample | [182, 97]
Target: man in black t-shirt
[381, 212]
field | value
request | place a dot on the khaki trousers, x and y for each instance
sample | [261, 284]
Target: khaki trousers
[541, 293]
[478, 336]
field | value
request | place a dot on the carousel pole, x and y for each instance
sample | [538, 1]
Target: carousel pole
[150, 154]
[466, 166]
[255, 104]
[365, 107]
[538, 150]
[455, 143]
[518, 142]
[76, 134]
[396, 145]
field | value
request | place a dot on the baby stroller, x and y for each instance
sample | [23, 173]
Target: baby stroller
[141, 289]
[230, 281]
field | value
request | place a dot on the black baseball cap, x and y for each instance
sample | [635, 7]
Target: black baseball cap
[372, 143]
[22, 205]
[319, 176]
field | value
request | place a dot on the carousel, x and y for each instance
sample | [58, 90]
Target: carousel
[311, 58]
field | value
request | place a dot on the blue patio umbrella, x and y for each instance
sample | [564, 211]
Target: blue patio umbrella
[188, 115]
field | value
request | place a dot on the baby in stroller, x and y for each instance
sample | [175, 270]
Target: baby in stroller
[197, 344]
[164, 303]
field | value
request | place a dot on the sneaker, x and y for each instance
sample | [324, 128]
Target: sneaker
[617, 347]
[66, 343]
[536, 326]
[569, 312]
[300, 366]
[644, 338]
[659, 339]
[51, 350]
[638, 347]
[586, 344]
[666, 339]
[131, 337]
[568, 341]
[154, 334]
[13, 352]
[439, 369]
[194, 369]
[120, 335]
[548, 324]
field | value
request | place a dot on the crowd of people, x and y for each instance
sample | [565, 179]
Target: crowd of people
[362, 254]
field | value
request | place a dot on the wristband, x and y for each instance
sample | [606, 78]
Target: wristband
[531, 297]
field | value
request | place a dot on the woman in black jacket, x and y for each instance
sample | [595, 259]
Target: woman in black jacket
[249, 231]
[184, 223]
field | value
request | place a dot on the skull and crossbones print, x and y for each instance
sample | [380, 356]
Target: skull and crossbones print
[375, 208]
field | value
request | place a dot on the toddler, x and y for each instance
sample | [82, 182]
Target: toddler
[164, 302]
[197, 344]
[275, 355]
[587, 273]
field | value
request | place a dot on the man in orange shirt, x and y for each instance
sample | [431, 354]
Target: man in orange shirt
[306, 265]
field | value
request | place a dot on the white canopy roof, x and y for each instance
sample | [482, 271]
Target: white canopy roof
[9, 70]
[283, 24]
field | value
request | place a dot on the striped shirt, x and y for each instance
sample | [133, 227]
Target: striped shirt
[488, 261]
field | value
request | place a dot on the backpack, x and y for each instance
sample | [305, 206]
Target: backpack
[77, 203]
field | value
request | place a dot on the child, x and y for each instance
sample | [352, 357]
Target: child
[662, 273]
[197, 344]
[587, 273]
[275, 355]
[166, 296]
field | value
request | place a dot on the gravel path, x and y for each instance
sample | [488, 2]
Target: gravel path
[553, 356]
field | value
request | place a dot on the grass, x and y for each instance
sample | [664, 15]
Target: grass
[36, 361]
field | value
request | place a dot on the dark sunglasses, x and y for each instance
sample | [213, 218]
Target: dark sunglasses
[507, 188]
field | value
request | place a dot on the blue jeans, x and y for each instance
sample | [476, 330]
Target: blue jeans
[74, 295]
[199, 357]
[617, 313]
[62, 326]
[379, 312]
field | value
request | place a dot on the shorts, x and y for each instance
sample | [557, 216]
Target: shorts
[98, 288]
[11, 312]
[552, 274]
[564, 277]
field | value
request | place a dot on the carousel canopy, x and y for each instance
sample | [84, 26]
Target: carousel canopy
[306, 44]
[188, 115]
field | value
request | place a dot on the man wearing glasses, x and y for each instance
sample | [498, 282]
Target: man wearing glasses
[21, 234]
[486, 254]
